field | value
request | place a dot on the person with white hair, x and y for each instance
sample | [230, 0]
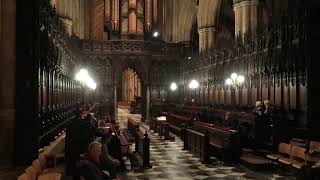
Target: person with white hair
[259, 108]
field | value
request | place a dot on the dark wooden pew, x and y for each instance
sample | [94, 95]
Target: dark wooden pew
[161, 127]
[197, 143]
[128, 133]
[177, 123]
[142, 149]
[223, 141]
[132, 125]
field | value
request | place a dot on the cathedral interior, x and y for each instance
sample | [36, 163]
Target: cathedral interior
[159, 89]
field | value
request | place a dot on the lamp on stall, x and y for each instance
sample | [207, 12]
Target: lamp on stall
[235, 80]
[83, 77]
[173, 86]
[194, 84]
[155, 34]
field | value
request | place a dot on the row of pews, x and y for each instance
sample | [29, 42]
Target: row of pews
[140, 156]
[45, 166]
[233, 134]
[224, 137]
[200, 138]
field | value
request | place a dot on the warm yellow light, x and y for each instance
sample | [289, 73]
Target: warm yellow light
[173, 86]
[229, 81]
[240, 79]
[193, 84]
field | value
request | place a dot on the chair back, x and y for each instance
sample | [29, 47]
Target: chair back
[23, 177]
[37, 166]
[285, 148]
[314, 145]
[43, 161]
[31, 173]
[298, 153]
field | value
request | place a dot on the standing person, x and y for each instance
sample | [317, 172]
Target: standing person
[273, 125]
[259, 127]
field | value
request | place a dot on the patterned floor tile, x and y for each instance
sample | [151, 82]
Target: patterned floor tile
[169, 161]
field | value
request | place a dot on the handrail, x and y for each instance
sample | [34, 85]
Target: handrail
[56, 127]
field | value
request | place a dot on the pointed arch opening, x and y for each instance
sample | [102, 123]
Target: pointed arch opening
[131, 85]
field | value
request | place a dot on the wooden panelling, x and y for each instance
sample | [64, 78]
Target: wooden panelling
[244, 100]
[293, 96]
[286, 97]
[254, 96]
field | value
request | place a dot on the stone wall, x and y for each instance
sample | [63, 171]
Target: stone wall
[7, 80]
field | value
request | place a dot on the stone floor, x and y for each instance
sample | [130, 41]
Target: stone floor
[169, 161]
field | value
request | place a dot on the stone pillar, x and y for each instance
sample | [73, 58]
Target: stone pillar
[237, 19]
[148, 103]
[206, 38]
[115, 86]
[145, 101]
[246, 17]
[7, 80]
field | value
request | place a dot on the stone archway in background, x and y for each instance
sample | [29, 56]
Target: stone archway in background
[130, 85]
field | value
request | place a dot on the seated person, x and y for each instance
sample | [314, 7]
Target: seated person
[231, 121]
[107, 118]
[259, 108]
[98, 156]
[309, 172]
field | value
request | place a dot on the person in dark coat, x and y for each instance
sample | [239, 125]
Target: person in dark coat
[259, 125]
[98, 156]
[79, 134]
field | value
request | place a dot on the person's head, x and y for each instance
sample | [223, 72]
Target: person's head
[94, 150]
[268, 103]
[258, 104]
[102, 123]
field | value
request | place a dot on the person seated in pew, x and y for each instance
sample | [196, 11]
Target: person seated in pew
[89, 166]
[98, 156]
[259, 109]
[107, 117]
[231, 122]
[309, 172]
[108, 148]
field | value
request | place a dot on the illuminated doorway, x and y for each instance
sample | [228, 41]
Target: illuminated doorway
[131, 85]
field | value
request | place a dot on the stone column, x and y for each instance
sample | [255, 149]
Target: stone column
[7, 80]
[145, 101]
[246, 17]
[148, 103]
[206, 38]
[237, 19]
[115, 86]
